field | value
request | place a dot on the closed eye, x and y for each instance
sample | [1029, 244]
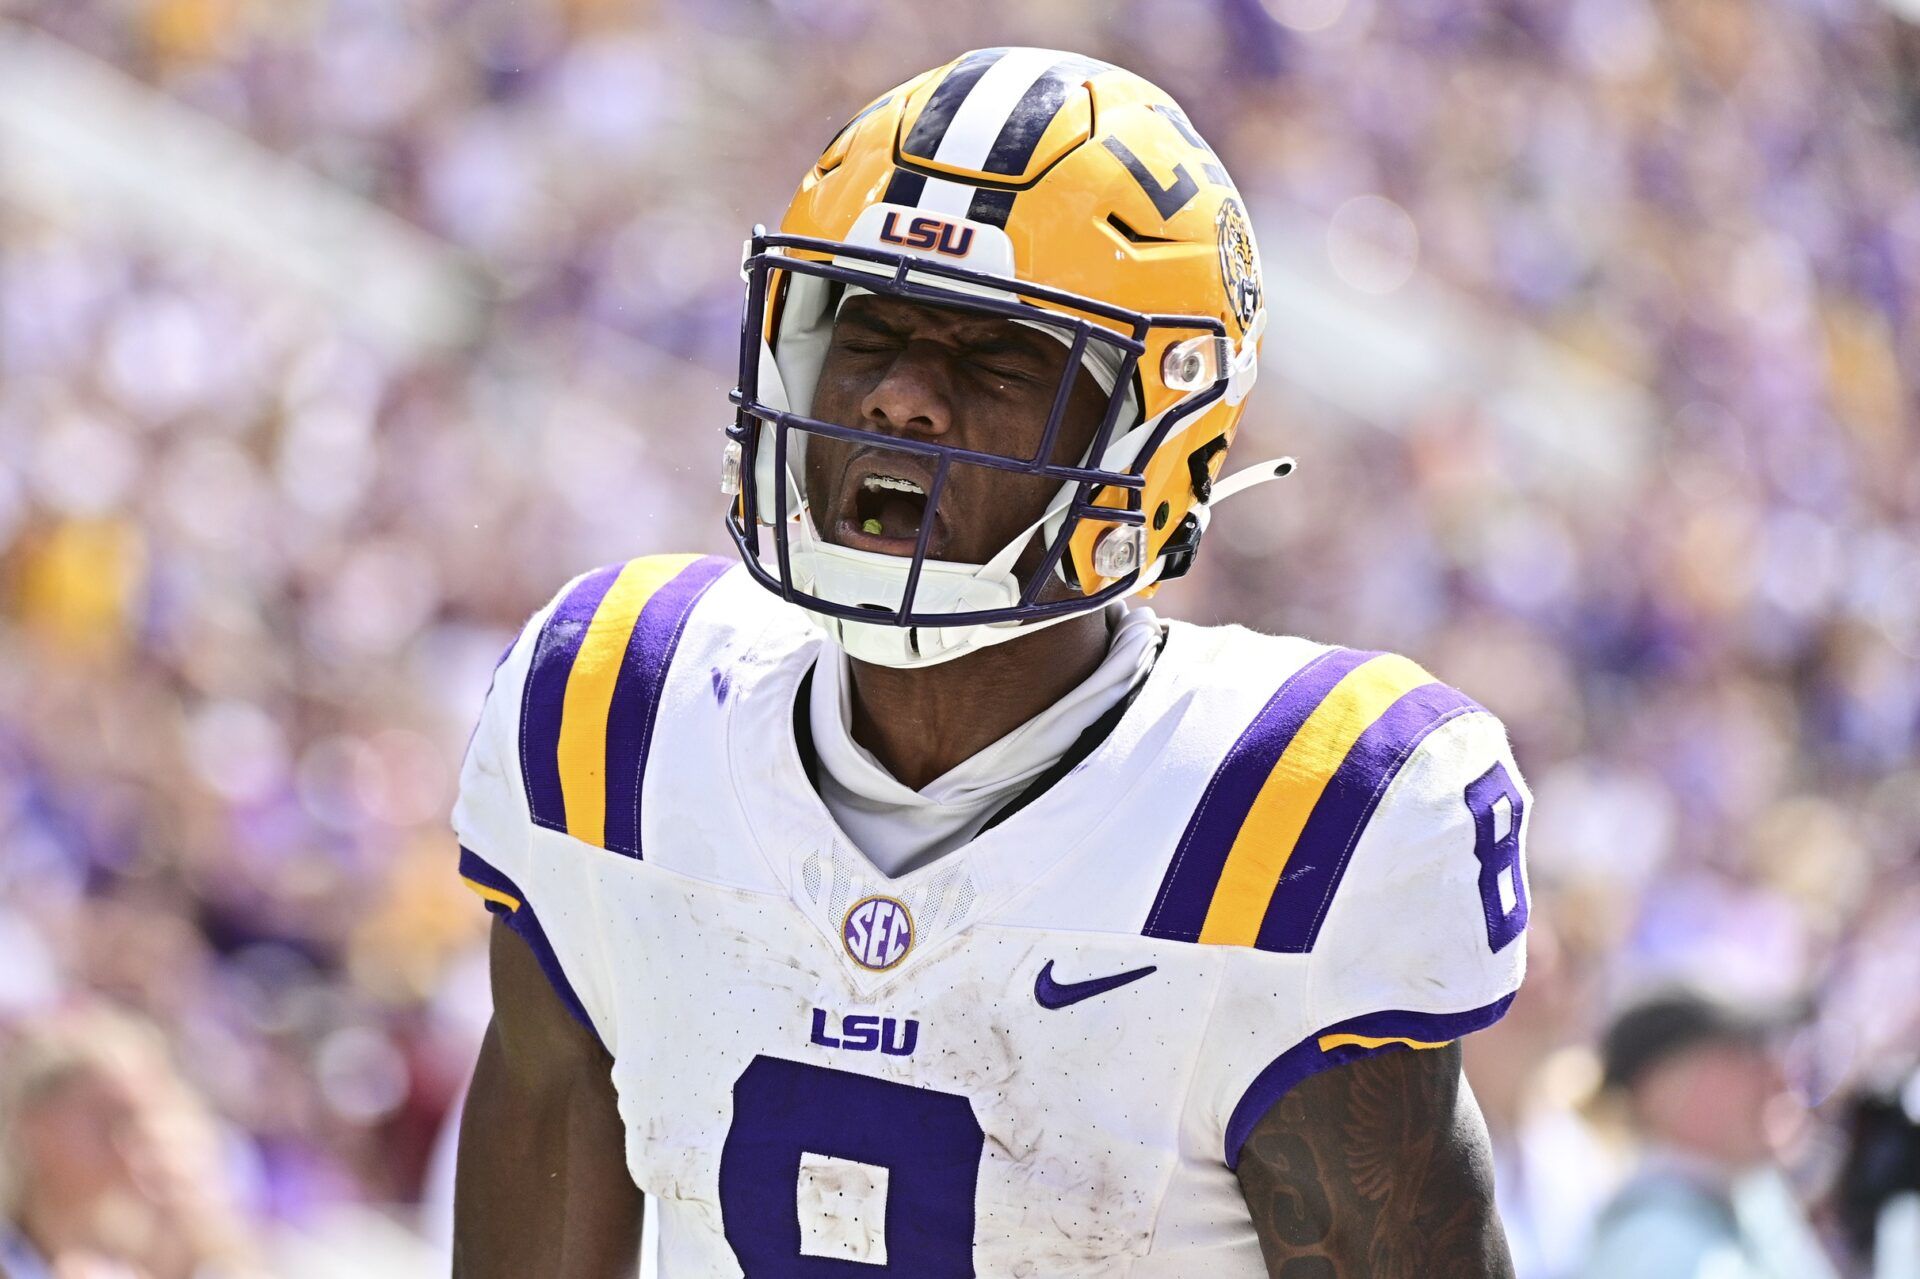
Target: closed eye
[1003, 372]
[1013, 360]
[859, 324]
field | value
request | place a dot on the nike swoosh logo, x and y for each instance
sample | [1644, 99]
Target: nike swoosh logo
[1059, 994]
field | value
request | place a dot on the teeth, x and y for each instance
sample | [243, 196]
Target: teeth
[875, 483]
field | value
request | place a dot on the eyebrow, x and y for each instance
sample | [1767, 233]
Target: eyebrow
[1008, 335]
[868, 318]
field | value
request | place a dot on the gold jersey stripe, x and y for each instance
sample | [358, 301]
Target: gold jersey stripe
[492, 894]
[1330, 1042]
[583, 717]
[1267, 837]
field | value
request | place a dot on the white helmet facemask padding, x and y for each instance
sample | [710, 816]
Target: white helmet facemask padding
[788, 378]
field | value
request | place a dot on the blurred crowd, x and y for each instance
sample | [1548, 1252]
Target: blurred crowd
[255, 565]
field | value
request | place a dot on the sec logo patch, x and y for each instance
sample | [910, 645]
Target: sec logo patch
[877, 932]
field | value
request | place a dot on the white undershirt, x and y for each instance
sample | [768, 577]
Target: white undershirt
[901, 829]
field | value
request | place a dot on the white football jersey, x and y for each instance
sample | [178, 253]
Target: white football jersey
[1039, 1055]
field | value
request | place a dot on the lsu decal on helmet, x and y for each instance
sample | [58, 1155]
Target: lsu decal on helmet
[1043, 187]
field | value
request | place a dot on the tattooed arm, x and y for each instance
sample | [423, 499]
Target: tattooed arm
[1377, 1169]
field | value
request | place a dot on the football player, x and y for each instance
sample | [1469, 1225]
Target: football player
[897, 900]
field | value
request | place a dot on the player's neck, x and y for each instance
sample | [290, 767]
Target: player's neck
[921, 723]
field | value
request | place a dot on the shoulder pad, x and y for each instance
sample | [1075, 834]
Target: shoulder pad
[593, 690]
[1271, 837]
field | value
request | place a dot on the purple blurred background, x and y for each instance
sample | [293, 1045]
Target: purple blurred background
[334, 335]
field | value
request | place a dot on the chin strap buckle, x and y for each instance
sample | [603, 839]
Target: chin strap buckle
[1176, 557]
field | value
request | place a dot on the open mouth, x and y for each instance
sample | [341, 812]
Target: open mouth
[889, 506]
[884, 504]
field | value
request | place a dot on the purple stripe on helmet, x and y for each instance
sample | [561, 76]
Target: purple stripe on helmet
[1304, 1059]
[1030, 118]
[1319, 859]
[546, 695]
[905, 187]
[636, 695]
[944, 103]
[990, 206]
[1180, 908]
[525, 923]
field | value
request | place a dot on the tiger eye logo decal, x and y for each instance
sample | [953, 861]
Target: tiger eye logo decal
[1239, 264]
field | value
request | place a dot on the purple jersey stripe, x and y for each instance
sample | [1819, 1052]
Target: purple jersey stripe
[1299, 904]
[1180, 908]
[1305, 1059]
[546, 696]
[481, 871]
[527, 924]
[1430, 1028]
[636, 695]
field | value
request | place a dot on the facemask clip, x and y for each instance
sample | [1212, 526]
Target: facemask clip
[1120, 550]
[1195, 363]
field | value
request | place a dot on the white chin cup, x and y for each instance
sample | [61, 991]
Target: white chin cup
[869, 579]
[827, 570]
[872, 580]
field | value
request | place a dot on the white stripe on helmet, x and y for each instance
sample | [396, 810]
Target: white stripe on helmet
[975, 126]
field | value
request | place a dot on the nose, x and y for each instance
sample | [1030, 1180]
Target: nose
[913, 397]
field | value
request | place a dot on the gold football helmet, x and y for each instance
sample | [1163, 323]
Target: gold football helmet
[1043, 187]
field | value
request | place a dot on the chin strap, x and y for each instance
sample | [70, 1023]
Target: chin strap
[1176, 557]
